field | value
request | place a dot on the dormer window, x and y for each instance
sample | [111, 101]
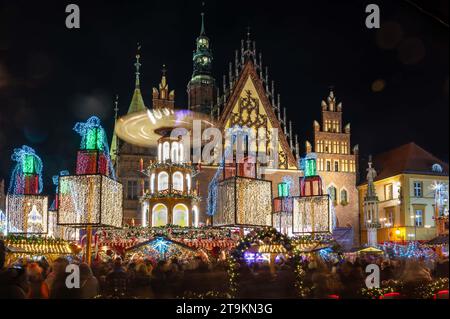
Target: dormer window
[436, 168]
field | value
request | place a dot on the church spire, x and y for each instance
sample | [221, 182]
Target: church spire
[201, 87]
[162, 97]
[202, 29]
[138, 65]
[137, 103]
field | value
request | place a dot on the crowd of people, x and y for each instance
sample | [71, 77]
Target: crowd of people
[346, 278]
[144, 278]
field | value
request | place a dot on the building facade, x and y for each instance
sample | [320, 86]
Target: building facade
[337, 163]
[246, 98]
[406, 189]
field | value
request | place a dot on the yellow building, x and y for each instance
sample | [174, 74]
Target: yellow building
[405, 186]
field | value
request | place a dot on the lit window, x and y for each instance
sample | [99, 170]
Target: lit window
[152, 183]
[163, 181]
[181, 156]
[419, 218]
[188, 182]
[344, 196]
[332, 193]
[166, 151]
[174, 155]
[177, 180]
[181, 215]
[388, 191]
[159, 152]
[159, 215]
[437, 168]
[417, 189]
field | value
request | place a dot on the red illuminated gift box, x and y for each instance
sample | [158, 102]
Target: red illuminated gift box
[91, 162]
[246, 168]
[311, 186]
[283, 204]
[31, 186]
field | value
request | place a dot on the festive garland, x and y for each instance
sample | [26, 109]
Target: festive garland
[233, 275]
[375, 293]
[300, 272]
[266, 235]
[427, 291]
[170, 195]
[32, 240]
[212, 294]
[155, 165]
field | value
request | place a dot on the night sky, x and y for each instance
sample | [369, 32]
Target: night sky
[393, 82]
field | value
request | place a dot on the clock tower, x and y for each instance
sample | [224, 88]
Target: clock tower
[201, 88]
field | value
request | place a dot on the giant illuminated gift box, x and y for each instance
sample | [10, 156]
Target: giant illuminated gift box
[243, 201]
[89, 200]
[27, 214]
[312, 214]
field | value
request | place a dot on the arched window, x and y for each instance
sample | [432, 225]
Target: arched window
[174, 155]
[181, 151]
[152, 183]
[166, 151]
[163, 181]
[332, 193]
[196, 215]
[159, 152]
[188, 182]
[344, 196]
[181, 215]
[159, 215]
[177, 181]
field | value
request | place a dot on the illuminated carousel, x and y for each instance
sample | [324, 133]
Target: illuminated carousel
[172, 198]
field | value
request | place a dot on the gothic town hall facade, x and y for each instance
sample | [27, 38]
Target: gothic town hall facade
[245, 94]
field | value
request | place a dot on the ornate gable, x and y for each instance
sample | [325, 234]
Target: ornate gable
[249, 106]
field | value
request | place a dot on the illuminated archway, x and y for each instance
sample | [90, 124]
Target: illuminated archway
[181, 215]
[159, 215]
